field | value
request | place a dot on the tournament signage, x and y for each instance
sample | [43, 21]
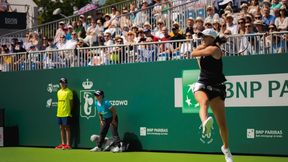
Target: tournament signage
[13, 20]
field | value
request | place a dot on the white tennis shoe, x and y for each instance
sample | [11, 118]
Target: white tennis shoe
[227, 153]
[207, 125]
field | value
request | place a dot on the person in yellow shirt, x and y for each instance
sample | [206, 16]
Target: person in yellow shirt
[65, 100]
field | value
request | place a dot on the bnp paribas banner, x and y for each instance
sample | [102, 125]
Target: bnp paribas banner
[246, 94]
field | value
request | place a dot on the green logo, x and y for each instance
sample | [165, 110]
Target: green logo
[189, 78]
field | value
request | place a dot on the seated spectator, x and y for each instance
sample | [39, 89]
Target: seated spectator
[179, 32]
[107, 22]
[244, 9]
[274, 42]
[69, 31]
[157, 31]
[44, 44]
[282, 21]
[118, 53]
[186, 47]
[199, 22]
[83, 22]
[60, 32]
[130, 38]
[4, 6]
[208, 24]
[266, 17]
[141, 35]
[230, 25]
[254, 7]
[241, 25]
[216, 25]
[80, 30]
[61, 44]
[113, 12]
[148, 33]
[51, 45]
[27, 43]
[71, 44]
[190, 25]
[211, 15]
[276, 5]
[147, 26]
[165, 33]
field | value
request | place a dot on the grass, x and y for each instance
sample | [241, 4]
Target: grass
[28, 154]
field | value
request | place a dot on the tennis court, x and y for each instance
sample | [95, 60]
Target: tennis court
[29, 154]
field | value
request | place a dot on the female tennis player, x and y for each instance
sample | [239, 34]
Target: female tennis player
[209, 90]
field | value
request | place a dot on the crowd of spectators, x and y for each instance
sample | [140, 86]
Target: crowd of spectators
[147, 22]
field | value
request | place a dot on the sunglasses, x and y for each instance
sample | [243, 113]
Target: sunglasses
[247, 26]
[257, 17]
[188, 35]
[241, 22]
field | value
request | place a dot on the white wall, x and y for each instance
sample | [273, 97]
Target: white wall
[23, 6]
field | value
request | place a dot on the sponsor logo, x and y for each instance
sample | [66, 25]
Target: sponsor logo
[206, 138]
[50, 103]
[259, 133]
[87, 100]
[242, 90]
[119, 102]
[144, 131]
[52, 87]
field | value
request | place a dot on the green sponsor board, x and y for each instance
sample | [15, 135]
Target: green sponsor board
[144, 97]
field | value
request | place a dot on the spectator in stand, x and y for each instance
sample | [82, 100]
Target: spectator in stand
[230, 25]
[27, 42]
[51, 45]
[211, 15]
[266, 17]
[282, 21]
[99, 27]
[125, 19]
[71, 44]
[216, 25]
[108, 39]
[186, 47]
[113, 12]
[83, 21]
[68, 33]
[61, 44]
[35, 39]
[241, 25]
[132, 12]
[260, 26]
[44, 44]
[112, 30]
[199, 22]
[142, 16]
[179, 31]
[190, 25]
[156, 11]
[197, 31]
[91, 34]
[130, 38]
[208, 24]
[116, 19]
[165, 33]
[244, 9]
[88, 22]
[18, 47]
[166, 5]
[254, 7]
[147, 26]
[223, 26]
[274, 42]
[134, 28]
[60, 32]
[276, 5]
[141, 35]
[157, 31]
[107, 22]
[148, 33]
[4, 6]
[80, 30]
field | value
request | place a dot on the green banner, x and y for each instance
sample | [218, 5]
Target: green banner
[154, 113]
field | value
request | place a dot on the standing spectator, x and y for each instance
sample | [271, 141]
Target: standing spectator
[282, 21]
[65, 102]
[60, 32]
[108, 117]
[142, 16]
[91, 34]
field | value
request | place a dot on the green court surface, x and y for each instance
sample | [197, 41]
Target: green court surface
[28, 154]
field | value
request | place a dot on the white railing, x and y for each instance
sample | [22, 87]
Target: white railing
[273, 43]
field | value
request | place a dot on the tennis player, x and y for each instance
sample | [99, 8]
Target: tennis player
[209, 90]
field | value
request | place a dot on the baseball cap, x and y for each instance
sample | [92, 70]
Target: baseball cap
[98, 93]
[210, 32]
[63, 80]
